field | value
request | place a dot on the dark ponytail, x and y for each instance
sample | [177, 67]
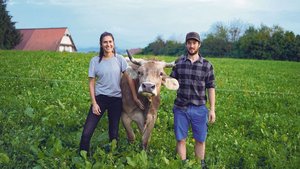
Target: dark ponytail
[101, 53]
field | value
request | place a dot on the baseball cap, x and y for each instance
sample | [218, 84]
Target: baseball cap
[192, 35]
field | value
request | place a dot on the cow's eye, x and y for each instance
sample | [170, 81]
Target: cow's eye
[139, 73]
[161, 74]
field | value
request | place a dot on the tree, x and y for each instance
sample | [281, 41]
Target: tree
[155, 47]
[238, 40]
[236, 30]
[256, 43]
[276, 43]
[213, 45]
[297, 43]
[161, 47]
[217, 42]
[290, 48]
[9, 35]
[223, 39]
[269, 43]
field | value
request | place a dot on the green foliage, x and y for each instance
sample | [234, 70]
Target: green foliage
[161, 47]
[4, 159]
[264, 43]
[215, 46]
[9, 36]
[269, 43]
[217, 43]
[44, 102]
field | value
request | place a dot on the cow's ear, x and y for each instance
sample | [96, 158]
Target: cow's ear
[131, 72]
[170, 83]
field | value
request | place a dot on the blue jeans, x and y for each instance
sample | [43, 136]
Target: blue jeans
[196, 116]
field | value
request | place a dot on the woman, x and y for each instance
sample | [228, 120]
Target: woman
[105, 92]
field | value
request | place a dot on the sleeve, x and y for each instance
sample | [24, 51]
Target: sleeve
[173, 73]
[174, 69]
[210, 78]
[124, 64]
[92, 72]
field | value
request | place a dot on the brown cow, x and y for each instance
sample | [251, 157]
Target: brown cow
[149, 76]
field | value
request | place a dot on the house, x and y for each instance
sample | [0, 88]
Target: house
[49, 39]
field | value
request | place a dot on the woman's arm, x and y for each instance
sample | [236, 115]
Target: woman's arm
[133, 91]
[96, 108]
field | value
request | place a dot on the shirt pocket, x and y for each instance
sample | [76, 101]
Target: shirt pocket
[199, 75]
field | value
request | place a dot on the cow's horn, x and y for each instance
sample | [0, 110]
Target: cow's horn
[171, 64]
[128, 54]
[132, 59]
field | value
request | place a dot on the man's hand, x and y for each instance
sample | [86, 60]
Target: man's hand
[212, 116]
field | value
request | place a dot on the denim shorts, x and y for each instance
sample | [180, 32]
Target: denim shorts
[196, 116]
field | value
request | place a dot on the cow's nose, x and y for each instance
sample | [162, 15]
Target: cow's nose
[148, 87]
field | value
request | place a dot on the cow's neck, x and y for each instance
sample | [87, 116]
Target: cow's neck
[153, 101]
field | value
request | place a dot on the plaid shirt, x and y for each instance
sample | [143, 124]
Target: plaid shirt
[194, 79]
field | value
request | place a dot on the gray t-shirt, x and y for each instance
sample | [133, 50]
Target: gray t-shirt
[108, 74]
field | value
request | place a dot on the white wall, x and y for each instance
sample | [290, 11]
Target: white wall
[63, 48]
[66, 43]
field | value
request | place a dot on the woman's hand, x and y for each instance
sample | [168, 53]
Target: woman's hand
[139, 103]
[96, 109]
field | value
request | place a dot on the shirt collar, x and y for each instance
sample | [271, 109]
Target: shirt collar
[199, 60]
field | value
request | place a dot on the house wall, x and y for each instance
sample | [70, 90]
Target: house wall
[66, 44]
[66, 40]
[64, 48]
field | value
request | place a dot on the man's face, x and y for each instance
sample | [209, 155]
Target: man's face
[192, 46]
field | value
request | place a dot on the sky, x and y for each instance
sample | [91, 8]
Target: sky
[136, 23]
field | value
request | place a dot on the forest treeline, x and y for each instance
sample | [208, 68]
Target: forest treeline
[238, 41]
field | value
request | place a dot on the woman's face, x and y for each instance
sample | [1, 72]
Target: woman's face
[107, 44]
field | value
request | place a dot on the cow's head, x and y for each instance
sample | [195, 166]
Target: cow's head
[150, 75]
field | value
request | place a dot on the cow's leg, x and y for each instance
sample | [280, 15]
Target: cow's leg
[126, 120]
[151, 118]
[139, 119]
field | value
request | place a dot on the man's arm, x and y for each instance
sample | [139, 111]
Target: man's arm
[211, 98]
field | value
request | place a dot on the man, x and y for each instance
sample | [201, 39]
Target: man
[195, 75]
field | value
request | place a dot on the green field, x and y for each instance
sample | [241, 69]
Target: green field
[44, 101]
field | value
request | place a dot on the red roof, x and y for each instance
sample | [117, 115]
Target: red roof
[41, 39]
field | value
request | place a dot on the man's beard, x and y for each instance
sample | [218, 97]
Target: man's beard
[196, 51]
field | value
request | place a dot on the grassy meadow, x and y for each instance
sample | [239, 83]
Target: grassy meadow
[44, 101]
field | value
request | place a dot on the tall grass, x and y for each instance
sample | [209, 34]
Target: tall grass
[44, 101]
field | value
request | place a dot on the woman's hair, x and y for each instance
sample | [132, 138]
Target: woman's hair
[101, 53]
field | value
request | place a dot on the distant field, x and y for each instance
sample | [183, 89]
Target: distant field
[44, 102]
